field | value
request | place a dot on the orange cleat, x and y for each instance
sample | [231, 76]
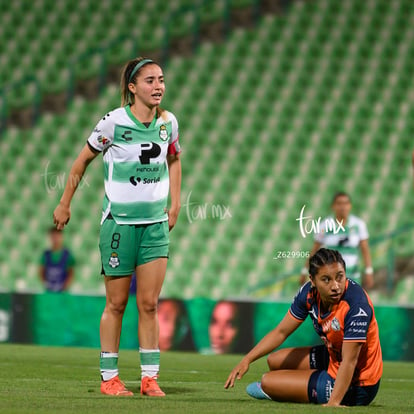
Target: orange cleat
[150, 387]
[115, 387]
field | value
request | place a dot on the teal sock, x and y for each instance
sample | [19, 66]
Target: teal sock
[108, 364]
[150, 362]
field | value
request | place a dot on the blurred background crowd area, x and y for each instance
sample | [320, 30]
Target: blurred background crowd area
[280, 104]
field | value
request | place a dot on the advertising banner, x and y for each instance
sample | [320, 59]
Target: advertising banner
[202, 325]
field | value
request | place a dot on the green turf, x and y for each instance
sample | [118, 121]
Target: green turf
[66, 380]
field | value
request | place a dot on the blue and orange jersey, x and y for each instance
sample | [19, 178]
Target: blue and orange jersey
[350, 320]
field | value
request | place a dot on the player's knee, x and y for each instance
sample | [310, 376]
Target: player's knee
[269, 361]
[117, 306]
[273, 361]
[147, 306]
[265, 383]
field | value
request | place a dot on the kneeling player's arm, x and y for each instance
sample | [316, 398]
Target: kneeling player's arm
[271, 341]
[350, 354]
[274, 338]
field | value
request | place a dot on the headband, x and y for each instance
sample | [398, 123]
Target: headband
[138, 66]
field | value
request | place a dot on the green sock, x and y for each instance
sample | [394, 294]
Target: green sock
[108, 364]
[150, 362]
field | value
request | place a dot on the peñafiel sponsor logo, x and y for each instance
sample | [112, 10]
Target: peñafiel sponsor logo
[149, 169]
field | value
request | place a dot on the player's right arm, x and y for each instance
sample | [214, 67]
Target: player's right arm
[271, 341]
[61, 214]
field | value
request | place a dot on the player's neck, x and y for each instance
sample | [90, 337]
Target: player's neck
[325, 307]
[342, 220]
[143, 112]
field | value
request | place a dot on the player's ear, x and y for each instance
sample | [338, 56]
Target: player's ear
[312, 280]
[131, 87]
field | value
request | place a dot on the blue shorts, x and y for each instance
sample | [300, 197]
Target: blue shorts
[321, 383]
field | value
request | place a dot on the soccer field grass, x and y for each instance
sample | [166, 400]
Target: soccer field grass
[66, 380]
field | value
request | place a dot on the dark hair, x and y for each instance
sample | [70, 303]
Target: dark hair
[323, 257]
[243, 321]
[183, 338]
[127, 96]
[341, 194]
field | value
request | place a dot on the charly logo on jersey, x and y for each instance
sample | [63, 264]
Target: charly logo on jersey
[163, 133]
[127, 135]
[114, 260]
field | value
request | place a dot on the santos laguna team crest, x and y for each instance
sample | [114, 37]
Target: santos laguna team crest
[114, 260]
[163, 133]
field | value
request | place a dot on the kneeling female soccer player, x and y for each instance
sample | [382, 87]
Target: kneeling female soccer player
[346, 370]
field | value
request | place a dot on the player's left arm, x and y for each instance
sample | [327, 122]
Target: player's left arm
[368, 280]
[350, 354]
[174, 170]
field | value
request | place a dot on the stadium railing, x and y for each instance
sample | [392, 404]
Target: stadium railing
[384, 251]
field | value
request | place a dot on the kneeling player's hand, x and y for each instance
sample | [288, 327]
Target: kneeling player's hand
[241, 368]
[333, 405]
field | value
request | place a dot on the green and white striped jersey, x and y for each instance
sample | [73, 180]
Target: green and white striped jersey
[135, 165]
[345, 241]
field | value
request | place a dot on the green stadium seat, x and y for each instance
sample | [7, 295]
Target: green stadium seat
[284, 115]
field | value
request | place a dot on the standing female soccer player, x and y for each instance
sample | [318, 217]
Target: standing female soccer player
[139, 142]
[350, 240]
[346, 370]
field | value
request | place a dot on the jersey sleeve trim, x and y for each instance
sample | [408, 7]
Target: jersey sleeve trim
[174, 147]
[92, 148]
[361, 339]
[295, 316]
